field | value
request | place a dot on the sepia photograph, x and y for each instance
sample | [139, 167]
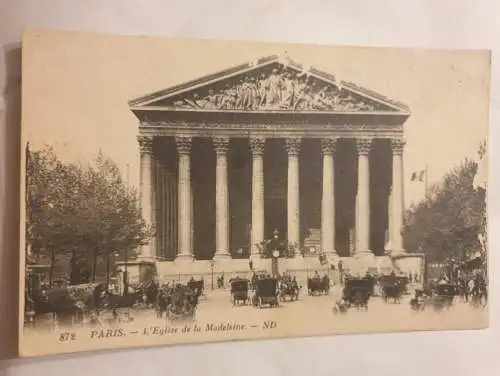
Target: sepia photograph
[181, 191]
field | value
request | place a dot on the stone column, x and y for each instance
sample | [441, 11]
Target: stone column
[160, 210]
[257, 146]
[388, 239]
[185, 251]
[146, 191]
[363, 146]
[328, 197]
[221, 145]
[397, 195]
[293, 206]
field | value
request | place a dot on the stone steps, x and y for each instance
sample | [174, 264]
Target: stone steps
[313, 240]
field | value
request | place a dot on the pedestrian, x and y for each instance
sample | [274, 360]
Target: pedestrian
[340, 268]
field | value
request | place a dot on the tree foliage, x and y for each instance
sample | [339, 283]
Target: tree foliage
[446, 224]
[83, 212]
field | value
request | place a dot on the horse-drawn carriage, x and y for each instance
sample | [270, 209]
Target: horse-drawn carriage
[443, 295]
[446, 292]
[141, 295]
[258, 274]
[288, 287]
[266, 292]
[393, 287]
[318, 285]
[177, 302]
[68, 304]
[197, 287]
[239, 290]
[439, 297]
[357, 292]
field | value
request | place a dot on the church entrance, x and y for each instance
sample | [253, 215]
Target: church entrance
[275, 218]
[275, 183]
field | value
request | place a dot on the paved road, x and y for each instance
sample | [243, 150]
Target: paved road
[316, 313]
[218, 319]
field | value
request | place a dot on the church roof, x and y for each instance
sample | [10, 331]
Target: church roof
[273, 84]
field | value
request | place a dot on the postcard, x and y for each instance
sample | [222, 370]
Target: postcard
[182, 191]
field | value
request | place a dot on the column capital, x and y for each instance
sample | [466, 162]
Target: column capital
[183, 144]
[145, 144]
[221, 145]
[363, 145]
[257, 145]
[328, 145]
[293, 146]
[397, 146]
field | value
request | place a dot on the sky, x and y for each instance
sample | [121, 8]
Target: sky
[76, 88]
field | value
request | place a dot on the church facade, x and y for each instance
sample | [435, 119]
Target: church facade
[231, 159]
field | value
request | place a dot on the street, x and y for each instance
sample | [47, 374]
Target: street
[316, 312]
[217, 319]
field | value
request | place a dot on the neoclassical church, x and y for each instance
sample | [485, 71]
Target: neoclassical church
[265, 149]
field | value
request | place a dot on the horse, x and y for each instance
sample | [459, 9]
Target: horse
[288, 287]
[392, 291]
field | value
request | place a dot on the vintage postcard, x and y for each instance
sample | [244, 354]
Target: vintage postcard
[186, 191]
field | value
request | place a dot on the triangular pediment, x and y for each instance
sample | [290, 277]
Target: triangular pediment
[270, 84]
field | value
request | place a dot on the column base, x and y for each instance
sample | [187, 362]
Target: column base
[184, 258]
[222, 256]
[363, 252]
[397, 252]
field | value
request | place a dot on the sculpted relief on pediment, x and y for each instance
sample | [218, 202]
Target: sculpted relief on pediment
[276, 89]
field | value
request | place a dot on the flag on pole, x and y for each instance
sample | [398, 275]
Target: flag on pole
[482, 149]
[418, 176]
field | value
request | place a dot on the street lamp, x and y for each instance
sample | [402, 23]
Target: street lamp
[276, 255]
[212, 265]
[275, 252]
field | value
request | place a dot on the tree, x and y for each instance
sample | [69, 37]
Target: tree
[80, 212]
[446, 224]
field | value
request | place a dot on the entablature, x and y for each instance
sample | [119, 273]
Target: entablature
[235, 130]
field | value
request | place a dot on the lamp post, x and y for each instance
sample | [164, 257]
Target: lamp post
[212, 265]
[275, 252]
[275, 255]
[108, 271]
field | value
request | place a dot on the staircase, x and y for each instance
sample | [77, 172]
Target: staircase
[313, 240]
